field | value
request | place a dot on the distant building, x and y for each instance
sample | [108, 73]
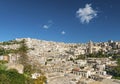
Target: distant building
[81, 73]
[92, 48]
[4, 58]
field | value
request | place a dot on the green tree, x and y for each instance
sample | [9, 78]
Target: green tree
[115, 72]
[3, 67]
[13, 77]
[118, 62]
[23, 59]
[4, 79]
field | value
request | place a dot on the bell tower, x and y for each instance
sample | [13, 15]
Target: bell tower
[90, 46]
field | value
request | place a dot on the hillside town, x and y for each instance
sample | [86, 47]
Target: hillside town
[67, 63]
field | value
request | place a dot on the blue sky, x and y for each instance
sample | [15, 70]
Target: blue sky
[60, 20]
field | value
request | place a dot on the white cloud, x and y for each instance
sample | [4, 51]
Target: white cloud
[48, 24]
[86, 14]
[45, 26]
[63, 32]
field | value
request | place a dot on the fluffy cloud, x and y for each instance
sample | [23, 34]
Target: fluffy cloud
[45, 26]
[63, 32]
[48, 24]
[86, 14]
